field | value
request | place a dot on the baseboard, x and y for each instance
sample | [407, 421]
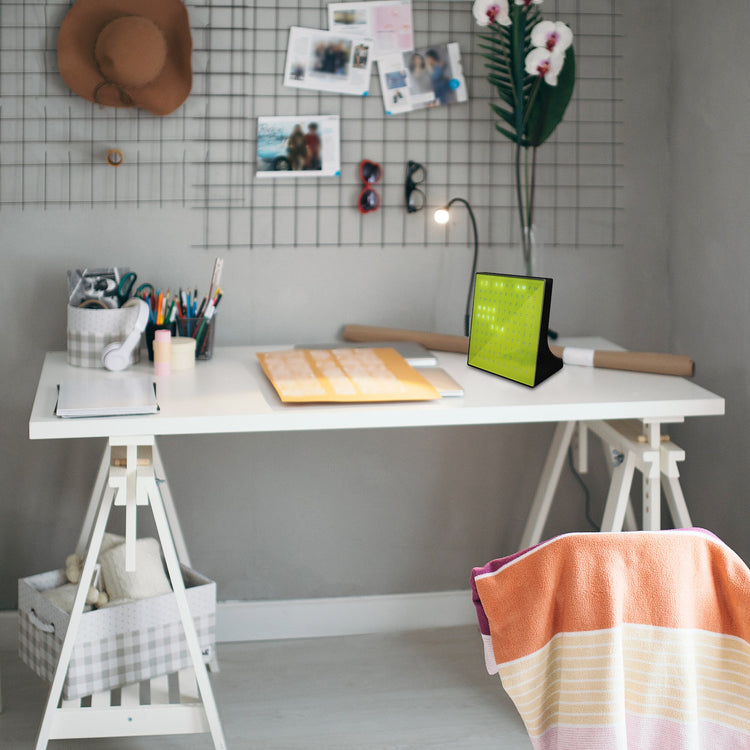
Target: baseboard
[351, 615]
[319, 618]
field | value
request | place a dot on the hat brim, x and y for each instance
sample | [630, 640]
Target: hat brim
[76, 40]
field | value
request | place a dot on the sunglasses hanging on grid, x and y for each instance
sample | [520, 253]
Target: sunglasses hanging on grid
[370, 173]
[415, 176]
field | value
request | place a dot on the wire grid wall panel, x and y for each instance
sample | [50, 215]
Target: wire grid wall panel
[202, 157]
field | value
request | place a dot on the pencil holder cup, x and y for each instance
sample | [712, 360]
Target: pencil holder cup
[151, 329]
[202, 330]
[91, 329]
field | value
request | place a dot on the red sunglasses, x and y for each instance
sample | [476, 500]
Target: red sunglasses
[370, 173]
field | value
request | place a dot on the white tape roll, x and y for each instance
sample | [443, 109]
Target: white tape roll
[183, 353]
[573, 355]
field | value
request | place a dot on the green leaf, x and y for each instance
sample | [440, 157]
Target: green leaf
[501, 83]
[507, 133]
[551, 102]
[501, 70]
[504, 114]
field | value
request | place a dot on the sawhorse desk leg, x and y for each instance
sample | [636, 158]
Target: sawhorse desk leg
[656, 460]
[100, 485]
[131, 485]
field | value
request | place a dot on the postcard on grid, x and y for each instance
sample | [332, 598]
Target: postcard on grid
[298, 146]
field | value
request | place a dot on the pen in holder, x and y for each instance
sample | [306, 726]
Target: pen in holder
[202, 329]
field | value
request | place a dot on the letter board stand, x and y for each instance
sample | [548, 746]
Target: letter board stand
[131, 485]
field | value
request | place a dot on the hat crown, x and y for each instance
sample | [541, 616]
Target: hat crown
[130, 51]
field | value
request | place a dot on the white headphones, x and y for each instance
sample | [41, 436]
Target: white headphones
[116, 356]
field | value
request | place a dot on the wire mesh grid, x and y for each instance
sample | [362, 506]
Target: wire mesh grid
[53, 144]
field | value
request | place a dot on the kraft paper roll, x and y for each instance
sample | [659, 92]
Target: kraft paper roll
[183, 353]
[653, 362]
[441, 342]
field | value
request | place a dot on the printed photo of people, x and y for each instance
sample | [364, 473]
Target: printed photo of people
[427, 77]
[360, 56]
[331, 57]
[294, 145]
[432, 71]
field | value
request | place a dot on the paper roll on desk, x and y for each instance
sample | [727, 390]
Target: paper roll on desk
[653, 362]
[441, 342]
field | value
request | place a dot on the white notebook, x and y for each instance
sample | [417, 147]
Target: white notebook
[106, 397]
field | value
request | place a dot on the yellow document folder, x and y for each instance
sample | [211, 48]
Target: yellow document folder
[344, 375]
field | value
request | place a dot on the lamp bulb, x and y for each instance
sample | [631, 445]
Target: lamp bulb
[442, 216]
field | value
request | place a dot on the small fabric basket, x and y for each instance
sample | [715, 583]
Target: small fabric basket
[90, 329]
[118, 645]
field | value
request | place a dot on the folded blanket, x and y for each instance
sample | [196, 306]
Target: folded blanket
[628, 641]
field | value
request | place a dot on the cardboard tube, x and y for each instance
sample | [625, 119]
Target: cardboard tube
[653, 362]
[441, 342]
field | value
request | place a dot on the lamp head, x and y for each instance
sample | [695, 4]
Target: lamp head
[442, 216]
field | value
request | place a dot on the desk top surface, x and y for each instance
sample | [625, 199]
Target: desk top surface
[230, 394]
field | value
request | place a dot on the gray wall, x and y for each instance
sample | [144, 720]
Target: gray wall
[334, 513]
[709, 262]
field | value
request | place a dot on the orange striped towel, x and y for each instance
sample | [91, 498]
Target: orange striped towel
[627, 641]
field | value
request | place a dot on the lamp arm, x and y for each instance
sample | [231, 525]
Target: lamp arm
[467, 315]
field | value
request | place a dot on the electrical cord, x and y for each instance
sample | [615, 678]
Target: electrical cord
[587, 494]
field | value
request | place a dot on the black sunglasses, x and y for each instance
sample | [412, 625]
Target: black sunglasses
[415, 175]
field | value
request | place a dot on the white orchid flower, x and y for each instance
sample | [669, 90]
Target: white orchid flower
[554, 36]
[542, 62]
[492, 11]
[529, 2]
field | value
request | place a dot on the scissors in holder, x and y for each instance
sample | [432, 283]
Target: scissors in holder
[125, 287]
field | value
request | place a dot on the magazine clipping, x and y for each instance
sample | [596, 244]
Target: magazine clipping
[328, 61]
[388, 23]
[427, 77]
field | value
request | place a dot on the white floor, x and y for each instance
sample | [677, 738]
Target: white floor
[421, 689]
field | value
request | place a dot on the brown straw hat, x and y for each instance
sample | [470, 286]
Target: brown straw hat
[127, 53]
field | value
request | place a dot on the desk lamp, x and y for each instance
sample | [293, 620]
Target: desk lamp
[509, 328]
[442, 216]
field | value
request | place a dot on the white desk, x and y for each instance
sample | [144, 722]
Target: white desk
[230, 394]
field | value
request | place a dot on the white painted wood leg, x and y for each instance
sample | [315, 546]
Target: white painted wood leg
[49, 729]
[619, 494]
[169, 507]
[548, 481]
[670, 479]
[100, 485]
[651, 516]
[178, 586]
[676, 502]
[630, 523]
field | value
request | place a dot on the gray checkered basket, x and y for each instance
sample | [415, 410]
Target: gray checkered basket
[90, 329]
[117, 645]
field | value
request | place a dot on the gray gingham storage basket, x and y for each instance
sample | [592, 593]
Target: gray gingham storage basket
[90, 329]
[117, 645]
